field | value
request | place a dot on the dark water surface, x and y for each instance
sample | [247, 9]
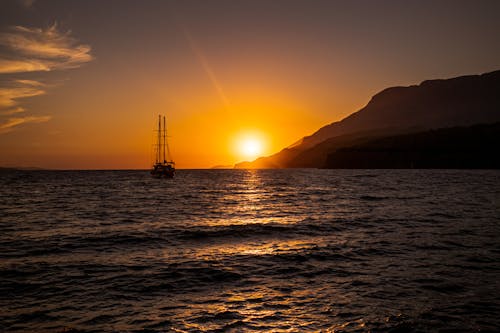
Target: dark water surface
[243, 251]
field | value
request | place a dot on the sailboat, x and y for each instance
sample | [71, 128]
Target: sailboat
[162, 168]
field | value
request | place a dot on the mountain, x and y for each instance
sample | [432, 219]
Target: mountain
[472, 147]
[433, 104]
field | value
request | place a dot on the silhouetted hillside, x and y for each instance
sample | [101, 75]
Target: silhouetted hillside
[433, 104]
[472, 147]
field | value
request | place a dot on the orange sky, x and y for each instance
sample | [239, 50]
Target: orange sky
[82, 83]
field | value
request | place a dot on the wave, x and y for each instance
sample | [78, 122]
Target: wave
[287, 250]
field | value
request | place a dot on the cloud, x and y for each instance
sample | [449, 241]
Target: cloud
[18, 89]
[12, 111]
[20, 66]
[31, 83]
[34, 49]
[9, 100]
[26, 50]
[9, 125]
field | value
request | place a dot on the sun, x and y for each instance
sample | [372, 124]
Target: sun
[249, 145]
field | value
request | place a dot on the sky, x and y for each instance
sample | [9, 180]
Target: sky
[83, 82]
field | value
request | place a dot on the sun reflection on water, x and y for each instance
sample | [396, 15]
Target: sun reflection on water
[253, 191]
[261, 247]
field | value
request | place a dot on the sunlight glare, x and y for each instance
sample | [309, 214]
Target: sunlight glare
[249, 145]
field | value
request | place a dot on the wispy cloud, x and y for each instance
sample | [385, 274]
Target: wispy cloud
[24, 65]
[12, 111]
[19, 89]
[9, 100]
[10, 123]
[25, 50]
[32, 83]
[34, 49]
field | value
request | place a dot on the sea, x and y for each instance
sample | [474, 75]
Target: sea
[296, 250]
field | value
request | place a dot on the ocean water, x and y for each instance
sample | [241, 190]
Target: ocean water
[250, 251]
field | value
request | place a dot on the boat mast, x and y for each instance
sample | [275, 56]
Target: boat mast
[164, 138]
[167, 147]
[159, 140]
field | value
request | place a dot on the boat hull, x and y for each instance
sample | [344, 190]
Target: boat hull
[163, 171]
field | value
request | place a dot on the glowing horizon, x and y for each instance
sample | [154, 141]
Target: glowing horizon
[83, 93]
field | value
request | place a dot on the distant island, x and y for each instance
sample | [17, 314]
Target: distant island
[222, 167]
[450, 123]
[20, 168]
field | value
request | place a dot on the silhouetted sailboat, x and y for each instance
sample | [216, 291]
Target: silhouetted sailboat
[162, 168]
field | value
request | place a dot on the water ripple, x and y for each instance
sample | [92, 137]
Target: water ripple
[242, 250]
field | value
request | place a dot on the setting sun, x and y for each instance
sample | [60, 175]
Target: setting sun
[251, 147]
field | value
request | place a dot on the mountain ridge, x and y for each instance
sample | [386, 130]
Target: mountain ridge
[432, 104]
[470, 147]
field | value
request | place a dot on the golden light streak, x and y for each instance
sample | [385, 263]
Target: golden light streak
[206, 67]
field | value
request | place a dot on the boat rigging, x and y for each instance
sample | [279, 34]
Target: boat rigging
[163, 168]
